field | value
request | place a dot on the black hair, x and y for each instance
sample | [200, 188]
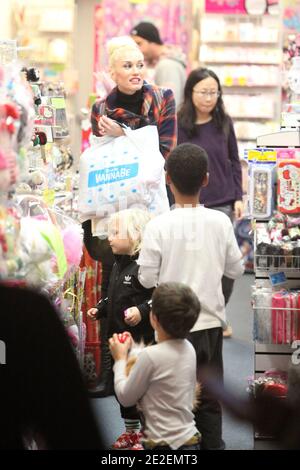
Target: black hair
[187, 112]
[176, 308]
[187, 167]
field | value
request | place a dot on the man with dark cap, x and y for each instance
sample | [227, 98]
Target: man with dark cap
[168, 61]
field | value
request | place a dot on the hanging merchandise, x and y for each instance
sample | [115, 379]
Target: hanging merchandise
[261, 191]
[276, 316]
[10, 253]
[288, 174]
[272, 381]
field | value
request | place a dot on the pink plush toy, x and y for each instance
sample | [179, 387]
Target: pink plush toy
[72, 238]
[4, 172]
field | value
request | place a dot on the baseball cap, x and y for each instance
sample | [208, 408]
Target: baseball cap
[146, 31]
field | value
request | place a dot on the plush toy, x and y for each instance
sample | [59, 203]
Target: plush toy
[72, 239]
[4, 173]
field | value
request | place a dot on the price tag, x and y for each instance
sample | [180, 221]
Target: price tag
[277, 279]
[262, 155]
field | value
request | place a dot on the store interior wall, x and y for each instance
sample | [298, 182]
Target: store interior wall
[83, 58]
[5, 20]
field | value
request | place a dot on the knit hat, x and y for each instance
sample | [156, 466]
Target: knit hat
[146, 31]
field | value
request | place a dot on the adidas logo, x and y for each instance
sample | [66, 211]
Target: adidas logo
[127, 280]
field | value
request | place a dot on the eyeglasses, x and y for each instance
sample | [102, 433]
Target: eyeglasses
[211, 94]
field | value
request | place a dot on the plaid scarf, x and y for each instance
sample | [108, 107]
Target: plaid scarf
[158, 109]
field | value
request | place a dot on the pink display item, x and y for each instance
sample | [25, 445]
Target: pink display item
[285, 154]
[3, 161]
[279, 303]
[173, 18]
[225, 6]
[288, 186]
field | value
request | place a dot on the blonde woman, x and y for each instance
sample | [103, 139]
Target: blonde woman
[133, 101]
[126, 306]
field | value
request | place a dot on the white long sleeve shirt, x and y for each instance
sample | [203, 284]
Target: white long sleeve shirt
[163, 381]
[196, 246]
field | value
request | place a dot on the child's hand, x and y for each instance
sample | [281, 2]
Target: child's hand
[119, 350]
[132, 316]
[92, 313]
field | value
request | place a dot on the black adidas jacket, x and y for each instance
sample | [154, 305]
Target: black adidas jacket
[125, 291]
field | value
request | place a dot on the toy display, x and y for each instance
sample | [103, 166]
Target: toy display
[288, 173]
[261, 191]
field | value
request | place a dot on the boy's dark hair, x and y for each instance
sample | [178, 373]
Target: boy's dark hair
[187, 167]
[176, 307]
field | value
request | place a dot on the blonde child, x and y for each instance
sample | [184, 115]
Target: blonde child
[127, 305]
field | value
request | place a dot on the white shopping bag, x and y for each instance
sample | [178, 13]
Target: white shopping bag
[121, 173]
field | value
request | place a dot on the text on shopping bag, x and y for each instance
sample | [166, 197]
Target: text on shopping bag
[112, 174]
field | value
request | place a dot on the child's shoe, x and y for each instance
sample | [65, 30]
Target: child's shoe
[127, 440]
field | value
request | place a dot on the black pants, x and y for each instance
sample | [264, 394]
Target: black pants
[208, 415]
[227, 288]
[227, 284]
[129, 412]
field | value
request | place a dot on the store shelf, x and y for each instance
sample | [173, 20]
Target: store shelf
[246, 87]
[245, 52]
[224, 61]
[235, 43]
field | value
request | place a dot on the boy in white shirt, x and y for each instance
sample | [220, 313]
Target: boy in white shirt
[163, 379]
[196, 246]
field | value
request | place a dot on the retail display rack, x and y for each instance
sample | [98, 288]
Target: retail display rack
[276, 293]
[245, 52]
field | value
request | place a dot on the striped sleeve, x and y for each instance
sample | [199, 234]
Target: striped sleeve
[167, 124]
[98, 109]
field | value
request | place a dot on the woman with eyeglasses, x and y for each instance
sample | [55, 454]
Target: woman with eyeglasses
[202, 120]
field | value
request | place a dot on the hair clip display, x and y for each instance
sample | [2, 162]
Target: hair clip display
[261, 191]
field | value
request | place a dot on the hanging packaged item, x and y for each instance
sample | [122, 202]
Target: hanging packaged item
[119, 173]
[262, 303]
[288, 186]
[280, 304]
[285, 317]
[261, 191]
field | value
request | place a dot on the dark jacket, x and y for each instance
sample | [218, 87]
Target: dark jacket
[125, 291]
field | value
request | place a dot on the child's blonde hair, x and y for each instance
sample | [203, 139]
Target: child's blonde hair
[132, 223]
[117, 46]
